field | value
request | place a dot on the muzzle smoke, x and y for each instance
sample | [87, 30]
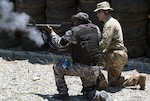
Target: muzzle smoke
[12, 21]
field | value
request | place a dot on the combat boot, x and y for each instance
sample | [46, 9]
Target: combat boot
[96, 95]
[102, 96]
[142, 81]
[139, 79]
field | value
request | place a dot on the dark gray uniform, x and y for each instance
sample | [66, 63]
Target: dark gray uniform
[84, 42]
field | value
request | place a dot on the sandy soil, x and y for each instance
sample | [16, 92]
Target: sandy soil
[25, 80]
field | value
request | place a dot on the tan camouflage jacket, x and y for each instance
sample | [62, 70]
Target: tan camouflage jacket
[112, 36]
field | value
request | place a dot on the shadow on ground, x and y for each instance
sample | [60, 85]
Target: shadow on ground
[71, 98]
[141, 68]
[43, 58]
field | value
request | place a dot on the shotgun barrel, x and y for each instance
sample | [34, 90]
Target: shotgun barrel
[44, 25]
[64, 26]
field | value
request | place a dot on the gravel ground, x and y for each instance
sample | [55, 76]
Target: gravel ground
[22, 80]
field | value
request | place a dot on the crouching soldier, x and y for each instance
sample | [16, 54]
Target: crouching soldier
[83, 40]
[113, 51]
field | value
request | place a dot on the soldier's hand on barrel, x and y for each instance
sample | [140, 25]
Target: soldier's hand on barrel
[49, 29]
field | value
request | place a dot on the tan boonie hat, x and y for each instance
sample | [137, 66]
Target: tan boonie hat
[82, 16]
[103, 6]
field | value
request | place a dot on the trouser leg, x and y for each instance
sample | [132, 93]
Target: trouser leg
[102, 83]
[115, 79]
[89, 88]
[89, 80]
[114, 74]
[88, 83]
[60, 81]
[88, 74]
[114, 61]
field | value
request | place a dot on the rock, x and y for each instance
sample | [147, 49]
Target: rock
[35, 78]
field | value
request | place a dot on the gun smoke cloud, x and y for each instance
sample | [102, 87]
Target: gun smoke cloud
[12, 21]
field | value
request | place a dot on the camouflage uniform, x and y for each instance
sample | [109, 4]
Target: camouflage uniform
[114, 53]
[79, 65]
[114, 56]
[88, 75]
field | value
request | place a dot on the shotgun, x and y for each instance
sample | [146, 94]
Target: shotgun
[64, 26]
